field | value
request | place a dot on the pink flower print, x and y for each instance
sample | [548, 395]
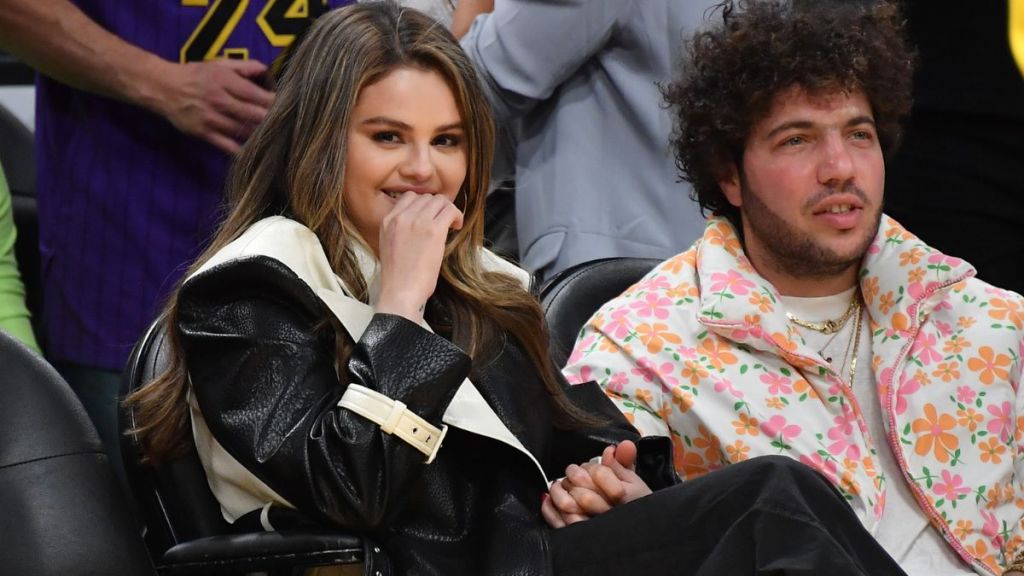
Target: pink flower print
[965, 394]
[619, 325]
[907, 387]
[944, 328]
[1001, 422]
[951, 488]
[654, 284]
[924, 349]
[617, 382]
[943, 305]
[580, 349]
[723, 384]
[652, 305]
[777, 384]
[991, 526]
[645, 369]
[842, 444]
[777, 426]
[730, 281]
[844, 422]
[686, 353]
[583, 376]
[826, 467]
[665, 374]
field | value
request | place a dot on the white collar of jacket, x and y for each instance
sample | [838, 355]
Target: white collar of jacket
[721, 263]
[298, 248]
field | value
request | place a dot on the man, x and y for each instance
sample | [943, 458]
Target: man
[576, 84]
[139, 106]
[805, 322]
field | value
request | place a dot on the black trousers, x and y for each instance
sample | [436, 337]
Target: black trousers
[766, 516]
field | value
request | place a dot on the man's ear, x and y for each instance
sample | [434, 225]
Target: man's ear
[729, 182]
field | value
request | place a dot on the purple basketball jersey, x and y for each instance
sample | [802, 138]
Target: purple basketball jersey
[125, 200]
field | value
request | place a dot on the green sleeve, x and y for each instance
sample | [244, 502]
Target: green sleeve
[14, 316]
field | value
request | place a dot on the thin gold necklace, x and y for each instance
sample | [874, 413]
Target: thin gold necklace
[828, 326]
[856, 348]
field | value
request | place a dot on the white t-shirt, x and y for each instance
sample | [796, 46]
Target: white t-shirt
[904, 530]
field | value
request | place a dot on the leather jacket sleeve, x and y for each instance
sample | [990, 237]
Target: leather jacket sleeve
[654, 453]
[260, 354]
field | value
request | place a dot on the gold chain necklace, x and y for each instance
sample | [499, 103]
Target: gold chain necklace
[828, 326]
[856, 348]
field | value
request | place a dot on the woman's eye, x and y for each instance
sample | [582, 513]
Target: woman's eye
[387, 137]
[447, 140]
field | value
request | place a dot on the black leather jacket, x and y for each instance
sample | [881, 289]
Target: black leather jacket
[261, 358]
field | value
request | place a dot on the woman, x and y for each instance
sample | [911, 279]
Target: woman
[346, 353]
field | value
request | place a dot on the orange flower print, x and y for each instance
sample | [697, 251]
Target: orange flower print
[947, 371]
[992, 450]
[675, 264]
[800, 386]
[1008, 310]
[912, 256]
[956, 344]
[664, 411]
[761, 301]
[655, 335]
[916, 275]
[969, 419]
[737, 451]
[933, 434]
[775, 402]
[710, 444]
[644, 396]
[693, 371]
[783, 341]
[922, 378]
[746, 425]
[887, 301]
[869, 289]
[718, 352]
[720, 236]
[605, 344]
[682, 399]
[990, 364]
[966, 322]
[963, 528]
[690, 464]
[682, 290]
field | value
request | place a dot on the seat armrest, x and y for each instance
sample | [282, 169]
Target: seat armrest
[262, 551]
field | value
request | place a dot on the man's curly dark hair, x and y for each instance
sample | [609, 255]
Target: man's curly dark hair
[732, 72]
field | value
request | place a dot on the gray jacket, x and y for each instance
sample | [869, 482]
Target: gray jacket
[576, 82]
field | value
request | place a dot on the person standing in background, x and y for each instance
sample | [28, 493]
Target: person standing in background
[577, 84]
[139, 106]
[14, 315]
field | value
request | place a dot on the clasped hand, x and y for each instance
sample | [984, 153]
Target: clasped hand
[594, 488]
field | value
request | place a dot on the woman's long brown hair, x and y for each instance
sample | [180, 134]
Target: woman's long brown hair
[294, 163]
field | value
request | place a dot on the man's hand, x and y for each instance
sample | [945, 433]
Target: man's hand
[220, 101]
[595, 487]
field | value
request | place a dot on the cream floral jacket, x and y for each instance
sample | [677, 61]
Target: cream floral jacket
[701, 351]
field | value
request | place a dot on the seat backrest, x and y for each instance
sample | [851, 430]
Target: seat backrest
[62, 510]
[174, 499]
[573, 295]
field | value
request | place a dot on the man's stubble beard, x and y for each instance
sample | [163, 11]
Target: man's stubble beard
[794, 252]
